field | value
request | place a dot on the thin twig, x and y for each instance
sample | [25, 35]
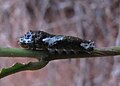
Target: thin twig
[17, 52]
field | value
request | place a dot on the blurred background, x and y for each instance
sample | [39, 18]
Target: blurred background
[97, 20]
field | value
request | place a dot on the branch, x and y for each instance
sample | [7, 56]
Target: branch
[44, 57]
[17, 52]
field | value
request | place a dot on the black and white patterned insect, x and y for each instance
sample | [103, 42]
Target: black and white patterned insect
[39, 40]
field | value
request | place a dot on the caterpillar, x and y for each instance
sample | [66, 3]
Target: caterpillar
[40, 40]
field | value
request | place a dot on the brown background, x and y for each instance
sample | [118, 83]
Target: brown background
[98, 20]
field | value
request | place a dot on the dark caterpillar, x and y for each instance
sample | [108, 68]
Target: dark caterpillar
[39, 40]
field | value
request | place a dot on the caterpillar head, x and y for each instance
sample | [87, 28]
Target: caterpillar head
[33, 39]
[26, 40]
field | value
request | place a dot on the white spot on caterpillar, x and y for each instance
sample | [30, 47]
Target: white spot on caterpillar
[27, 38]
[52, 40]
[87, 45]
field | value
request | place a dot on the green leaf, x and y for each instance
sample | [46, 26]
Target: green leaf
[21, 67]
